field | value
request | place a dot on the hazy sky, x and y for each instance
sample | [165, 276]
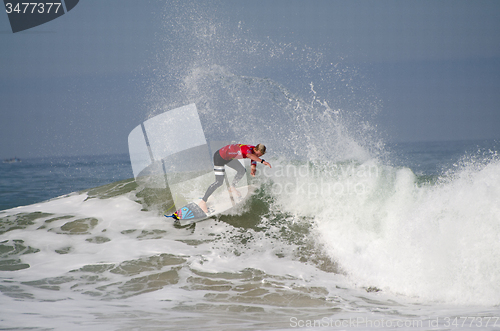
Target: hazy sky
[78, 84]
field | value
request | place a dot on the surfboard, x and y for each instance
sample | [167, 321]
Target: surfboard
[217, 204]
[190, 213]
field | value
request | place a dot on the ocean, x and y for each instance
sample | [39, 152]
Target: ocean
[407, 239]
[345, 232]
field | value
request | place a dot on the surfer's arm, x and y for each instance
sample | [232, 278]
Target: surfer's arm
[255, 159]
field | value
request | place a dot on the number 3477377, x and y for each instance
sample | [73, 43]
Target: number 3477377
[33, 7]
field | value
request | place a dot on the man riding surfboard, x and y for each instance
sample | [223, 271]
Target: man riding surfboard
[224, 156]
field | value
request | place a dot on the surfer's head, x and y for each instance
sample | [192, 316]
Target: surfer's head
[260, 148]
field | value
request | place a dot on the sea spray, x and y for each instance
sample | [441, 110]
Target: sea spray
[383, 228]
[435, 242]
[262, 101]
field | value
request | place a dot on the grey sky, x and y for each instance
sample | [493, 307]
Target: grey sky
[79, 84]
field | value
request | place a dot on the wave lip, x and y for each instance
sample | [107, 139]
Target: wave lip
[435, 241]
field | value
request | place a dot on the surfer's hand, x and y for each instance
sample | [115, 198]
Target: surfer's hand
[267, 164]
[253, 169]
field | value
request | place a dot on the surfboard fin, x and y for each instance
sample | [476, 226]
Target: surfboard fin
[174, 216]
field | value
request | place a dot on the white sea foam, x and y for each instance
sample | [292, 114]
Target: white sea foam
[434, 242]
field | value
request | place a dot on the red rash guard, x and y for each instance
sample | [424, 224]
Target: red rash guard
[236, 151]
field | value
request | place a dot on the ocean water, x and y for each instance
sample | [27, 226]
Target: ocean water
[411, 244]
[345, 231]
[39, 179]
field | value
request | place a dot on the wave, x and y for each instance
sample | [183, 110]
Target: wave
[372, 225]
[436, 239]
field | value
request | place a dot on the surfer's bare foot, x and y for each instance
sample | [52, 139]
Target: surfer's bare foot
[235, 191]
[203, 206]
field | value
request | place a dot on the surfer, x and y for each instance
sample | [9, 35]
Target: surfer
[224, 156]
